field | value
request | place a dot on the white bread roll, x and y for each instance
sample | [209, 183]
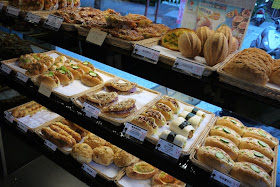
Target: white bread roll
[174, 138]
[182, 127]
[195, 111]
[191, 118]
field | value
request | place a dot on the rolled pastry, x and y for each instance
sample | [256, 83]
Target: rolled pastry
[174, 138]
[191, 118]
[195, 111]
[182, 127]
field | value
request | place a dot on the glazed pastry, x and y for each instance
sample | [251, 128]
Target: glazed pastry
[165, 110]
[195, 111]
[82, 152]
[182, 127]
[91, 79]
[171, 102]
[174, 138]
[157, 115]
[147, 123]
[162, 178]
[100, 99]
[48, 78]
[232, 123]
[123, 88]
[219, 130]
[124, 159]
[193, 119]
[121, 109]
[141, 170]
[103, 155]
[94, 141]
[64, 75]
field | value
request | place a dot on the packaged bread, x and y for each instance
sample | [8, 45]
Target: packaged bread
[157, 115]
[174, 138]
[103, 155]
[124, 159]
[182, 127]
[162, 178]
[94, 141]
[82, 152]
[232, 123]
[166, 111]
[171, 102]
[258, 145]
[195, 111]
[141, 170]
[251, 174]
[219, 130]
[221, 142]
[261, 135]
[191, 118]
[215, 157]
[256, 157]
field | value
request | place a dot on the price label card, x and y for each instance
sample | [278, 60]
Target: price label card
[45, 89]
[53, 22]
[6, 68]
[96, 36]
[50, 145]
[12, 11]
[1, 6]
[9, 116]
[135, 131]
[22, 127]
[169, 148]
[89, 170]
[22, 77]
[32, 18]
[91, 111]
[185, 66]
[226, 180]
[146, 53]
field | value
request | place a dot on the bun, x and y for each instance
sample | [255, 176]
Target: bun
[147, 123]
[82, 152]
[49, 79]
[141, 170]
[103, 155]
[91, 79]
[64, 75]
[124, 88]
[232, 123]
[113, 147]
[123, 159]
[275, 73]
[76, 71]
[86, 66]
[100, 99]
[157, 115]
[165, 110]
[94, 141]
[162, 178]
[171, 102]
[215, 157]
[121, 109]
[219, 130]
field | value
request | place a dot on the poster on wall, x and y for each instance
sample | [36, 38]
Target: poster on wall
[234, 13]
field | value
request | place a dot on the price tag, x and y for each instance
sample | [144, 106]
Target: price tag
[91, 111]
[53, 22]
[89, 170]
[1, 6]
[9, 116]
[169, 148]
[96, 36]
[50, 145]
[185, 66]
[12, 11]
[6, 68]
[146, 53]
[32, 18]
[22, 127]
[226, 180]
[135, 131]
[22, 77]
[45, 89]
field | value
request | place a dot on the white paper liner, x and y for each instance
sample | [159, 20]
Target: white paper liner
[38, 119]
[196, 133]
[110, 171]
[128, 182]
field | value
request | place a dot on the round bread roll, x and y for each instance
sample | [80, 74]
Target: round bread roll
[232, 123]
[215, 157]
[123, 159]
[141, 170]
[251, 174]
[94, 141]
[219, 130]
[103, 155]
[162, 178]
[91, 79]
[113, 147]
[82, 152]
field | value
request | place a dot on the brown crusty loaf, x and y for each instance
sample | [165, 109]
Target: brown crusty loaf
[227, 32]
[82, 152]
[103, 155]
[275, 73]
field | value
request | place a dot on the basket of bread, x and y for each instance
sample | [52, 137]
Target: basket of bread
[247, 154]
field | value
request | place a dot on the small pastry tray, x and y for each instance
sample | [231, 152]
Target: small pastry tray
[36, 120]
[144, 98]
[209, 169]
[123, 180]
[200, 131]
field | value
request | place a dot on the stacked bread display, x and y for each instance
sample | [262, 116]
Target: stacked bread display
[246, 153]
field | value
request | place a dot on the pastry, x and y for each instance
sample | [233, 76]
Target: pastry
[94, 141]
[195, 111]
[227, 145]
[251, 174]
[59, 61]
[75, 127]
[261, 135]
[124, 159]
[141, 170]
[140, 20]
[162, 178]
[121, 87]
[189, 44]
[100, 99]
[71, 132]
[147, 123]
[91, 79]
[215, 157]
[27, 109]
[62, 132]
[64, 75]
[82, 152]
[157, 115]
[113, 147]
[119, 21]
[219, 130]
[56, 138]
[171, 102]
[49, 79]
[193, 119]
[232, 123]
[122, 109]
[182, 127]
[258, 145]
[103, 155]
[174, 138]
[86, 66]
[126, 34]
[170, 38]
[76, 71]
[165, 110]
[255, 157]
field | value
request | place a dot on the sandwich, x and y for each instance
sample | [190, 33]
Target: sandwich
[147, 123]
[91, 79]
[86, 66]
[123, 88]
[121, 109]
[49, 79]
[76, 70]
[100, 99]
[64, 75]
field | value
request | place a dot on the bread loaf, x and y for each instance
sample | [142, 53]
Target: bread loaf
[189, 44]
[227, 32]
[235, 45]
[170, 38]
[162, 178]
[275, 74]
[203, 33]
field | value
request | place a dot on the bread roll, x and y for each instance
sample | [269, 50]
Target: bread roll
[215, 157]
[157, 115]
[191, 118]
[162, 178]
[232, 123]
[195, 111]
[174, 138]
[113, 147]
[219, 130]
[141, 170]
[123, 159]
[82, 152]
[49, 79]
[171, 102]
[256, 157]
[94, 141]
[91, 79]
[275, 72]
[86, 66]
[261, 135]
[166, 111]
[76, 71]
[64, 75]
[221, 142]
[258, 145]
[251, 174]
[103, 155]
[182, 127]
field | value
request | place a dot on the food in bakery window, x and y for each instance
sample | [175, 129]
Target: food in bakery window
[126, 34]
[48, 5]
[275, 72]
[147, 123]
[59, 61]
[103, 155]
[71, 132]
[148, 32]
[193, 119]
[232, 123]
[119, 21]
[140, 20]
[94, 141]
[227, 32]
[174, 138]
[121, 109]
[62, 4]
[49, 79]
[170, 38]
[157, 115]
[166, 111]
[82, 152]
[77, 3]
[195, 111]
[160, 28]
[76, 71]
[141, 170]
[91, 79]
[124, 159]
[57, 138]
[203, 34]
[124, 88]
[86, 66]
[189, 44]
[182, 127]
[75, 127]
[171, 102]
[100, 99]
[162, 178]
[64, 75]
[62, 132]
[235, 44]
[27, 109]
[113, 147]
[219, 130]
